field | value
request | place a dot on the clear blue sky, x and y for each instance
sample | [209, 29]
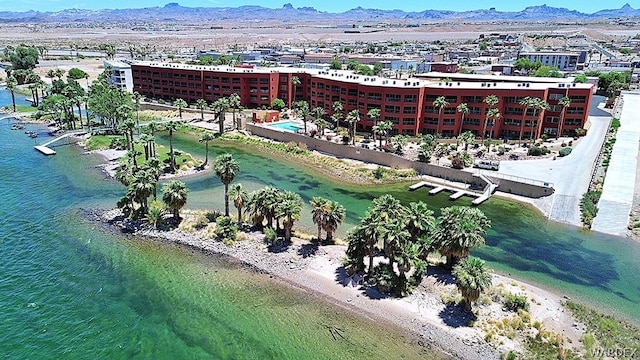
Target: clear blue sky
[587, 6]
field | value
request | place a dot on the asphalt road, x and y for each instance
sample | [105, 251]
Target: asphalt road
[569, 175]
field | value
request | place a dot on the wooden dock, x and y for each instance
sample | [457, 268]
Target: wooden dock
[45, 150]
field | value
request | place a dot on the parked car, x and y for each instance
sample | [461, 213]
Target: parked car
[487, 164]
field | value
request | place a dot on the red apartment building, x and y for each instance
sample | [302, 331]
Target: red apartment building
[409, 104]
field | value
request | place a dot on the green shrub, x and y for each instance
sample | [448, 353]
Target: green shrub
[538, 151]
[212, 216]
[226, 229]
[564, 152]
[155, 213]
[501, 150]
[270, 236]
[379, 172]
[514, 302]
[589, 206]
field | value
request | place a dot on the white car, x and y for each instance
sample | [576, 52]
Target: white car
[487, 164]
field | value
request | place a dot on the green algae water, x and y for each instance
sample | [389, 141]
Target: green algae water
[602, 270]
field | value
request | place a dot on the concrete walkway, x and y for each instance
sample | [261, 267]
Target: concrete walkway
[619, 184]
[569, 175]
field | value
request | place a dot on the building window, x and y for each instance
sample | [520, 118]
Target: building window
[408, 121]
[409, 110]
[393, 97]
[410, 98]
[392, 109]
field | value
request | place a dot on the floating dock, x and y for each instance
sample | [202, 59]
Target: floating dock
[417, 186]
[436, 190]
[457, 195]
[45, 150]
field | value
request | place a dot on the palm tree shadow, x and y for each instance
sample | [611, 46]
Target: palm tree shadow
[357, 280]
[279, 247]
[454, 315]
[441, 275]
[308, 250]
[372, 292]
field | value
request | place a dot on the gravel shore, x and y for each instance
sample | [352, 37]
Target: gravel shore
[319, 269]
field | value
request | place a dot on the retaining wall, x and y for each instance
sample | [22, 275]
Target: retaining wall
[394, 161]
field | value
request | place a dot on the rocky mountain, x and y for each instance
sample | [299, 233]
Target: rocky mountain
[175, 12]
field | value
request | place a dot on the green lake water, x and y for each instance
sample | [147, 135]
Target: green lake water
[71, 289]
[599, 269]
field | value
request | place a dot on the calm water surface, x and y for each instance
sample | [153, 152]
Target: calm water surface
[600, 269]
[70, 289]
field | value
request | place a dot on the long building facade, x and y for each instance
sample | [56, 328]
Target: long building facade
[407, 103]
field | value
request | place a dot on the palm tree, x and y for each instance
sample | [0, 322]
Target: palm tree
[440, 103]
[171, 127]
[226, 168]
[136, 101]
[538, 105]
[174, 195]
[151, 129]
[201, 104]
[143, 185]
[205, 138]
[11, 85]
[302, 110]
[337, 112]
[219, 107]
[491, 101]
[472, 279]
[459, 230]
[127, 126]
[375, 115]
[493, 114]
[384, 128]
[235, 104]
[180, 104]
[240, 198]
[295, 81]
[146, 140]
[318, 212]
[333, 217]
[155, 167]
[356, 250]
[467, 138]
[528, 103]
[353, 117]
[463, 109]
[565, 102]
[289, 210]
[419, 220]
[318, 113]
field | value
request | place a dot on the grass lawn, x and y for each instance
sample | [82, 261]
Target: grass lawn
[184, 161]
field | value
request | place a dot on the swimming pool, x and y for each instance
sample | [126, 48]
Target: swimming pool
[286, 125]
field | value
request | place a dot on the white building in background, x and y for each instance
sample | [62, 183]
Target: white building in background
[562, 60]
[120, 74]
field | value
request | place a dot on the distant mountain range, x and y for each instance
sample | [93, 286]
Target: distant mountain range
[174, 12]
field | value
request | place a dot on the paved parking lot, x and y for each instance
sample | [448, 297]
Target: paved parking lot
[569, 175]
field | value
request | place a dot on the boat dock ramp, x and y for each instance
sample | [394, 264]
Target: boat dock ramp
[457, 192]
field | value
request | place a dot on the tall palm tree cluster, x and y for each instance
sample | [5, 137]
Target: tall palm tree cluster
[275, 207]
[401, 238]
[327, 215]
[219, 108]
[62, 97]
